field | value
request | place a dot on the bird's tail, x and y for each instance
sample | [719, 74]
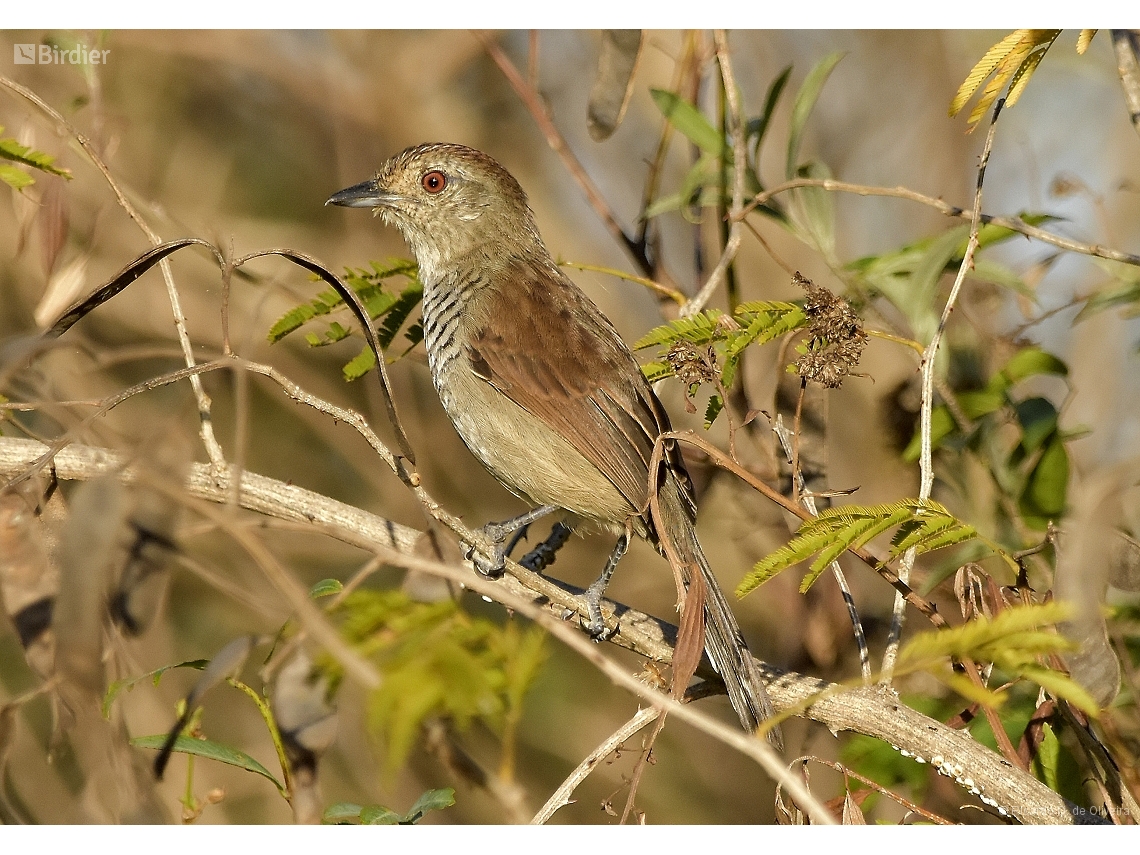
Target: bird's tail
[724, 642]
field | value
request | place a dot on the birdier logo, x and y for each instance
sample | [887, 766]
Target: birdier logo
[33, 54]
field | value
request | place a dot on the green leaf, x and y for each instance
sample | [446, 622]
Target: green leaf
[347, 813]
[359, 365]
[335, 332]
[326, 588]
[689, 121]
[926, 526]
[1030, 361]
[129, 683]
[1038, 419]
[290, 321]
[1122, 290]
[1055, 767]
[759, 126]
[211, 751]
[432, 800]
[14, 177]
[12, 150]
[804, 103]
[700, 328]
[654, 371]
[981, 403]
[341, 812]
[990, 234]
[713, 409]
[1061, 686]
[942, 424]
[815, 210]
[1043, 498]
[437, 660]
[378, 815]
[398, 313]
[917, 302]
[1012, 639]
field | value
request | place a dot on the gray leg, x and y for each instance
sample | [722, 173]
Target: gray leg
[594, 593]
[498, 533]
[543, 555]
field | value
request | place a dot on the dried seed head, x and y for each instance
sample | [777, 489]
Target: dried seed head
[836, 336]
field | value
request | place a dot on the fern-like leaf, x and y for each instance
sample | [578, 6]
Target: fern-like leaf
[924, 526]
[1012, 62]
[11, 150]
[655, 371]
[701, 328]
[1014, 640]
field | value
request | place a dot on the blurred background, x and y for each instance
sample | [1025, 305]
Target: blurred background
[239, 138]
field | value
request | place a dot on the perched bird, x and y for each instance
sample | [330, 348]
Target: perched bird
[535, 378]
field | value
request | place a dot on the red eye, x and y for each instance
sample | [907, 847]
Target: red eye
[434, 181]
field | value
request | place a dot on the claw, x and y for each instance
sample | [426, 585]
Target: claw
[543, 555]
[594, 593]
[497, 532]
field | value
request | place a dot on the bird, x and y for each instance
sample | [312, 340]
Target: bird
[537, 381]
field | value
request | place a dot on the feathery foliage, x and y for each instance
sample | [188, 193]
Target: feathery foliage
[1015, 640]
[1012, 62]
[923, 526]
[18, 179]
[707, 347]
[438, 660]
[391, 306]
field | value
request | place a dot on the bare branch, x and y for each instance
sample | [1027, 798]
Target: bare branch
[1012, 223]
[739, 161]
[874, 711]
[206, 428]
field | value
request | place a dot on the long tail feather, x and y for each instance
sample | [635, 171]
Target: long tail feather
[724, 642]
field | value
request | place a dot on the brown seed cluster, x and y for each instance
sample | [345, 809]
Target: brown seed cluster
[836, 337]
[693, 366]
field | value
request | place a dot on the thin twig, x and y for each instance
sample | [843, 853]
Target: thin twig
[534, 104]
[756, 749]
[926, 466]
[739, 162]
[206, 429]
[1012, 223]
[561, 797]
[878, 788]
[722, 460]
[639, 769]
[656, 287]
[532, 58]
[808, 501]
[870, 710]
[681, 69]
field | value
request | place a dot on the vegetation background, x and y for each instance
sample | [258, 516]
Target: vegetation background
[238, 137]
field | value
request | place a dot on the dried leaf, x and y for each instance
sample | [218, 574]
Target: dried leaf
[613, 86]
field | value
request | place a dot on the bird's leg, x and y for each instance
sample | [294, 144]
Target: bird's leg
[497, 533]
[598, 588]
[542, 556]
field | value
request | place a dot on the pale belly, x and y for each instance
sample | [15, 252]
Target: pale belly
[529, 458]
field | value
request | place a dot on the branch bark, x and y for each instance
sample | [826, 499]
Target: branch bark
[874, 711]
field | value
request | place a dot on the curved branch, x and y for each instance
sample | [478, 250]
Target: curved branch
[1014, 224]
[873, 711]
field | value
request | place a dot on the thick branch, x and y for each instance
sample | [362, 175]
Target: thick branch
[873, 711]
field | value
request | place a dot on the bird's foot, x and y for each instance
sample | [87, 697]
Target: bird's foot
[497, 532]
[597, 629]
[543, 555]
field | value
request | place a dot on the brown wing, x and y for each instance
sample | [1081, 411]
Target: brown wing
[562, 361]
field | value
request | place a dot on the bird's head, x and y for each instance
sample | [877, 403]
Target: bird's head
[448, 201]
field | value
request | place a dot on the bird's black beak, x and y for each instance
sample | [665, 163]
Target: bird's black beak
[366, 194]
